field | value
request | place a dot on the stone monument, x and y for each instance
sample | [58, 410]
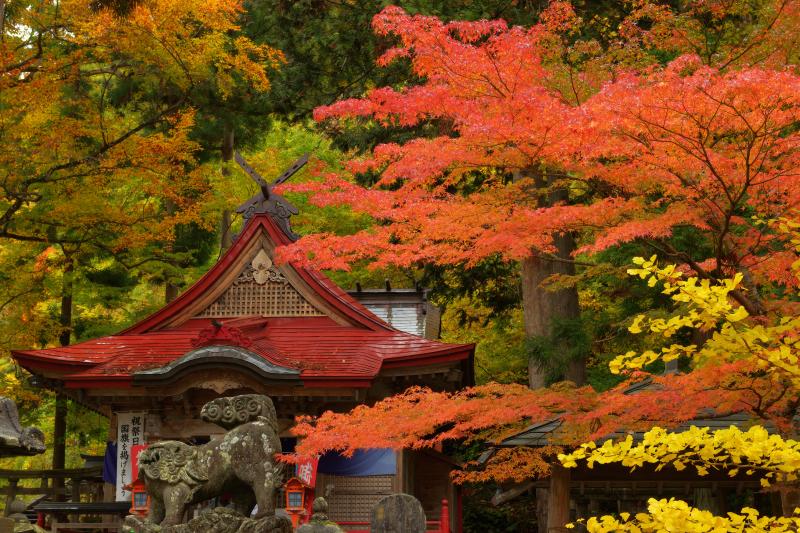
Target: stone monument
[398, 513]
[241, 463]
[319, 522]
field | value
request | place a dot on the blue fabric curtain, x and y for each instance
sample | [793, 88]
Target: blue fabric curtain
[373, 462]
[110, 463]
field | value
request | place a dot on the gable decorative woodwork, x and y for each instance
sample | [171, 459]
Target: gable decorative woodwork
[260, 290]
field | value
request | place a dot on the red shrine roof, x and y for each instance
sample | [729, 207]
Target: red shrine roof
[290, 322]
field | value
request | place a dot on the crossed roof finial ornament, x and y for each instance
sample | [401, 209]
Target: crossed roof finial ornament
[267, 201]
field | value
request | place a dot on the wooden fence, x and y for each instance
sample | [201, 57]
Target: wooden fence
[53, 484]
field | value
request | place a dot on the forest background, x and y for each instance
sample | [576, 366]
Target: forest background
[118, 120]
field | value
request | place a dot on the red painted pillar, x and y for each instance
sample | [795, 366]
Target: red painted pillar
[444, 526]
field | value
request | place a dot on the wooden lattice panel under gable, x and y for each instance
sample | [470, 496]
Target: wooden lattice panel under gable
[260, 290]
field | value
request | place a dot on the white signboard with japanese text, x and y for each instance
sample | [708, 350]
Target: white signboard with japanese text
[130, 432]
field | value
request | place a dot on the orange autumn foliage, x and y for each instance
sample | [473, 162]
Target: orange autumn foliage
[642, 148]
[96, 113]
[421, 418]
[706, 141]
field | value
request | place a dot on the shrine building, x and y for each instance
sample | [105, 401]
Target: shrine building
[252, 326]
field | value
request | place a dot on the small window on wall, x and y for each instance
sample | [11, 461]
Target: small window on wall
[295, 499]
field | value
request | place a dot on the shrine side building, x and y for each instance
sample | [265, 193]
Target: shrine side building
[252, 326]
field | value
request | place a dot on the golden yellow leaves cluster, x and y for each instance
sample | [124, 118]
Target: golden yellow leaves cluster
[770, 347]
[677, 515]
[707, 306]
[754, 451]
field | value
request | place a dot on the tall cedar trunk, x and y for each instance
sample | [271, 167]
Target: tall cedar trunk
[541, 306]
[60, 420]
[226, 238]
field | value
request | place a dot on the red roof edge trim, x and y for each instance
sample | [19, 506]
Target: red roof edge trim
[331, 383]
[202, 284]
[343, 302]
[45, 362]
[430, 359]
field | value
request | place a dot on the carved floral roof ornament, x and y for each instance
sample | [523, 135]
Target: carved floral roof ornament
[260, 271]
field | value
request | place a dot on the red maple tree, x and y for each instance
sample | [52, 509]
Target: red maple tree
[685, 145]
[530, 149]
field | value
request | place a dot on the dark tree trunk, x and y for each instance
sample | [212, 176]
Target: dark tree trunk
[65, 318]
[540, 306]
[226, 238]
[65, 321]
[2, 20]
[171, 290]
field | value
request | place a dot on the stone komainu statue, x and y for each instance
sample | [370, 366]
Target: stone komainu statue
[241, 463]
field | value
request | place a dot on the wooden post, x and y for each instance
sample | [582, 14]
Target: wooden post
[12, 493]
[60, 441]
[558, 500]
[444, 526]
[542, 496]
[790, 500]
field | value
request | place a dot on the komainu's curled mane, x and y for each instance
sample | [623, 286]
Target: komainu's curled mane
[237, 410]
[173, 461]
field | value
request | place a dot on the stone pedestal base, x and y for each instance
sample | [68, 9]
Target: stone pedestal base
[220, 520]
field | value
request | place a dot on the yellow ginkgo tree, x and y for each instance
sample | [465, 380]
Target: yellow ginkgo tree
[767, 349]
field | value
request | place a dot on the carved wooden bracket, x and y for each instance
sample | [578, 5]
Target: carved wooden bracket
[219, 333]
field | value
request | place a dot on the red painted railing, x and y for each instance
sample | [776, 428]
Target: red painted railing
[433, 526]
